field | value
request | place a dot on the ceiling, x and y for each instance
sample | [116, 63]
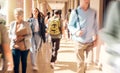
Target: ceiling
[57, 1]
[56, 4]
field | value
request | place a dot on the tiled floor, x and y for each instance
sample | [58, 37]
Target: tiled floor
[66, 62]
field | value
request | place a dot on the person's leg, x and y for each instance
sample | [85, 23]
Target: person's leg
[56, 45]
[24, 55]
[79, 50]
[89, 54]
[68, 33]
[16, 59]
[33, 55]
[36, 44]
[53, 50]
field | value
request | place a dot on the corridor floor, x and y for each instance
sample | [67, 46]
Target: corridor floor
[66, 62]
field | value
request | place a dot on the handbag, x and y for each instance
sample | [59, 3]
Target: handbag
[20, 45]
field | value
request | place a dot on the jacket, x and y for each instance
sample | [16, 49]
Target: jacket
[12, 34]
[42, 27]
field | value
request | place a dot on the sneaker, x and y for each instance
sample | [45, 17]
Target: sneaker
[52, 65]
[35, 68]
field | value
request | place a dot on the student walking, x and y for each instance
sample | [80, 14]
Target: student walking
[84, 29]
[38, 31]
[20, 35]
[6, 58]
[55, 31]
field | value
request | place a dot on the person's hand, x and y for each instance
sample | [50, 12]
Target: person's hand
[10, 67]
[19, 38]
[79, 33]
[95, 39]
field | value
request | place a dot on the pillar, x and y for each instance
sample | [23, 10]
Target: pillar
[72, 4]
[49, 8]
[98, 6]
[64, 10]
[34, 4]
[76, 2]
[44, 7]
[38, 4]
[11, 5]
[69, 4]
[27, 9]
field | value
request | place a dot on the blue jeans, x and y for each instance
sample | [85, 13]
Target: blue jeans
[17, 54]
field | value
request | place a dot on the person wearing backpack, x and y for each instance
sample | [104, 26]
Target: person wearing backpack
[84, 29]
[55, 31]
[5, 52]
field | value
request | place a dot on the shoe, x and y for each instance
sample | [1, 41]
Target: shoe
[35, 68]
[52, 65]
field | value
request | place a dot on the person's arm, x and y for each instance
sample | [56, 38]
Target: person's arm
[61, 26]
[11, 31]
[96, 28]
[6, 49]
[8, 56]
[29, 35]
[73, 25]
[43, 30]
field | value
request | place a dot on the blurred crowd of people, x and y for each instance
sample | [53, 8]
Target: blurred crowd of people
[79, 25]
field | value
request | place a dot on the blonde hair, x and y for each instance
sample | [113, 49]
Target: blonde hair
[19, 11]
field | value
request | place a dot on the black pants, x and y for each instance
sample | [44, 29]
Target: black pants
[55, 48]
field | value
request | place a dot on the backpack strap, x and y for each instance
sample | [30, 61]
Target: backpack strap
[77, 17]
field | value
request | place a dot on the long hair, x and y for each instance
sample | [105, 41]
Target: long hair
[40, 14]
[42, 27]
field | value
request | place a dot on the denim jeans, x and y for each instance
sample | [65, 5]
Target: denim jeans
[17, 55]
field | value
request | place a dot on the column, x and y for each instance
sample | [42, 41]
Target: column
[43, 6]
[48, 7]
[11, 5]
[64, 10]
[69, 4]
[34, 4]
[76, 2]
[27, 9]
[38, 4]
[72, 4]
[98, 6]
